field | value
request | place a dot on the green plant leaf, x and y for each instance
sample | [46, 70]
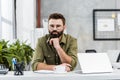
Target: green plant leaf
[19, 50]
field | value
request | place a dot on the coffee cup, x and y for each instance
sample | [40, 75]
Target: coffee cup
[60, 69]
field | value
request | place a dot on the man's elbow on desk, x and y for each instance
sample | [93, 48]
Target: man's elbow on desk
[42, 66]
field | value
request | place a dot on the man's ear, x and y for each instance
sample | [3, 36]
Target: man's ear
[65, 31]
[64, 27]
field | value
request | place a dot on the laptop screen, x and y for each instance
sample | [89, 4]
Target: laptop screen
[94, 63]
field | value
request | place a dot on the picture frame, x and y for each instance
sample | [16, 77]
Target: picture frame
[106, 24]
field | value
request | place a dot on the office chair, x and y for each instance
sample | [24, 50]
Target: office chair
[90, 51]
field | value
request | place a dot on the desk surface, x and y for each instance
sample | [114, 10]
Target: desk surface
[29, 75]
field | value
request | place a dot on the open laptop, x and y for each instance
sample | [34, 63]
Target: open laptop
[113, 55]
[94, 63]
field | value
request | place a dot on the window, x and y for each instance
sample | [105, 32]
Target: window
[7, 19]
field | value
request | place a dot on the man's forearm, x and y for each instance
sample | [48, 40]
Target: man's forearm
[43, 66]
[63, 56]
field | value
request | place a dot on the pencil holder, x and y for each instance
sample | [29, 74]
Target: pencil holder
[18, 68]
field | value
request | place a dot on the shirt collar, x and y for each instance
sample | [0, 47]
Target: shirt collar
[63, 39]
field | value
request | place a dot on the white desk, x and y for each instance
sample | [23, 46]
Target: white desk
[29, 75]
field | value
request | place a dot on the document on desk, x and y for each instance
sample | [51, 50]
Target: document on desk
[44, 71]
[49, 72]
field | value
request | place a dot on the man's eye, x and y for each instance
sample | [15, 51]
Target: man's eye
[51, 25]
[58, 25]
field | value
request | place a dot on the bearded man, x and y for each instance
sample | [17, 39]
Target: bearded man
[55, 48]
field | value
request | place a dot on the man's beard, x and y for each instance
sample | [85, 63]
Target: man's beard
[52, 35]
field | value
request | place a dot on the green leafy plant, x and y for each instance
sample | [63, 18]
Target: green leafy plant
[19, 50]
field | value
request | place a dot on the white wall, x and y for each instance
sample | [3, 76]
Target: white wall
[25, 19]
[79, 19]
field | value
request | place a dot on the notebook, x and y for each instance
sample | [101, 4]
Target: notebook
[94, 63]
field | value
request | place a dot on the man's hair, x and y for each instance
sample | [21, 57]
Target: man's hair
[57, 16]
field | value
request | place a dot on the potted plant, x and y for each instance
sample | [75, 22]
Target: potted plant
[19, 50]
[5, 55]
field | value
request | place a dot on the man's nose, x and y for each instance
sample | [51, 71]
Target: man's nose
[54, 28]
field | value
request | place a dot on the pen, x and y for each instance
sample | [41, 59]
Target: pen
[14, 62]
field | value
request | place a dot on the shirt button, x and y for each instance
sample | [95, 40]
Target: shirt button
[48, 55]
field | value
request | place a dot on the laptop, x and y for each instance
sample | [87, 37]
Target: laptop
[113, 55]
[94, 63]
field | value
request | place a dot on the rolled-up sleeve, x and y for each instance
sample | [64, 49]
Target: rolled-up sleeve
[72, 51]
[37, 55]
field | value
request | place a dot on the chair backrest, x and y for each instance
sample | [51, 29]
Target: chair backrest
[90, 51]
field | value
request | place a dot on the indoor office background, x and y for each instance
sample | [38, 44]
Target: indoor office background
[78, 14]
[79, 19]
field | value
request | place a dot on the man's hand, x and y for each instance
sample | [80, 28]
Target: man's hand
[54, 42]
[67, 66]
[63, 56]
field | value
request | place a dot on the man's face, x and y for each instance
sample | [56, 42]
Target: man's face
[55, 27]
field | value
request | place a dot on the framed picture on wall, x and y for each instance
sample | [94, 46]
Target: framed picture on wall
[106, 24]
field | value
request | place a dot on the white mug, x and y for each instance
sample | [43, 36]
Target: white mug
[60, 69]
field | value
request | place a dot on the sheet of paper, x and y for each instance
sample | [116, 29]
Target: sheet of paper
[49, 72]
[105, 25]
[44, 71]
